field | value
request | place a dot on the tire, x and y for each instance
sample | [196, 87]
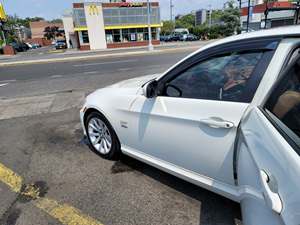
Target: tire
[102, 138]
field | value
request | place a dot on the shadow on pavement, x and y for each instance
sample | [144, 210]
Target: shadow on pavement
[215, 209]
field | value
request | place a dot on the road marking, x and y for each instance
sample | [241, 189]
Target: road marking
[104, 63]
[7, 81]
[64, 213]
[2, 85]
[124, 69]
[56, 76]
[91, 72]
[155, 66]
[10, 178]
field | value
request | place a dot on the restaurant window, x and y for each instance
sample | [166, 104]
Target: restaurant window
[129, 35]
[85, 37]
[109, 36]
[121, 16]
[116, 35]
[125, 35]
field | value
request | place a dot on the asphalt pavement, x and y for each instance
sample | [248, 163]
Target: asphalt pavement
[48, 175]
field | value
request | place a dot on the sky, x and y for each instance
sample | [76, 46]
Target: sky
[51, 9]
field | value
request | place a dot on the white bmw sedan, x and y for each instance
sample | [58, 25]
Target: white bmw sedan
[226, 118]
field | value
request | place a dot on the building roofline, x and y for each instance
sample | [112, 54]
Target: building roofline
[116, 4]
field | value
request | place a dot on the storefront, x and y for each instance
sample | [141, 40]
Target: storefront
[112, 25]
[279, 13]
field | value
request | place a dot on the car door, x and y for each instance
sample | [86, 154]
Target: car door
[192, 123]
[268, 155]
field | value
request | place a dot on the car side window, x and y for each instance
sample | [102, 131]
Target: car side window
[284, 103]
[222, 78]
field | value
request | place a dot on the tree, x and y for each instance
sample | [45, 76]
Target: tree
[56, 21]
[225, 23]
[187, 21]
[51, 32]
[168, 27]
[231, 19]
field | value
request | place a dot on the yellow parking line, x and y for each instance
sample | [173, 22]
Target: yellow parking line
[64, 213]
[10, 178]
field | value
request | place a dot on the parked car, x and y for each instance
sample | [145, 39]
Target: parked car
[33, 45]
[60, 44]
[189, 37]
[36, 45]
[29, 45]
[163, 37]
[175, 37]
[226, 118]
[19, 47]
[168, 38]
[24, 46]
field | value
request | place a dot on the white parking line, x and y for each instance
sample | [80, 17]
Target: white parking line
[7, 81]
[2, 85]
[56, 76]
[104, 63]
[91, 72]
[124, 69]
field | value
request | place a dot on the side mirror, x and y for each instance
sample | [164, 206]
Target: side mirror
[150, 89]
[173, 91]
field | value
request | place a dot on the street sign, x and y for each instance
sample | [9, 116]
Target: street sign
[2, 12]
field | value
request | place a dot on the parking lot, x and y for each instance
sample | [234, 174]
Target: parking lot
[48, 175]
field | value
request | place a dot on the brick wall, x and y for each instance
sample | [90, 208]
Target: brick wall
[132, 44]
[37, 28]
[41, 41]
[84, 48]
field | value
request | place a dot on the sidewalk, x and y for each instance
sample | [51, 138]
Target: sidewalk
[74, 54]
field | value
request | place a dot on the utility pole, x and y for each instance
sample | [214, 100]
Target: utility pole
[210, 16]
[171, 13]
[266, 13]
[248, 16]
[297, 12]
[171, 10]
[150, 46]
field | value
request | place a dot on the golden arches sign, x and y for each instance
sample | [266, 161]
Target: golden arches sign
[2, 13]
[93, 10]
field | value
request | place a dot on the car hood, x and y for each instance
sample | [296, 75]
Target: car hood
[135, 82]
[126, 87]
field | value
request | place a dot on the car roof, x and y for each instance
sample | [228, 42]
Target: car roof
[284, 32]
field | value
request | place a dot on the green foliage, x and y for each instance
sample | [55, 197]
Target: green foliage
[167, 28]
[56, 21]
[17, 21]
[52, 32]
[227, 22]
[201, 31]
[187, 21]
[14, 22]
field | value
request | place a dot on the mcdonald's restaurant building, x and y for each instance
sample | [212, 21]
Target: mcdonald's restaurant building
[96, 25]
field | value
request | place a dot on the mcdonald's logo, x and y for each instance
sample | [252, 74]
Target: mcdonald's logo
[2, 13]
[93, 10]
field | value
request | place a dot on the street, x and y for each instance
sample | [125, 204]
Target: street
[43, 147]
